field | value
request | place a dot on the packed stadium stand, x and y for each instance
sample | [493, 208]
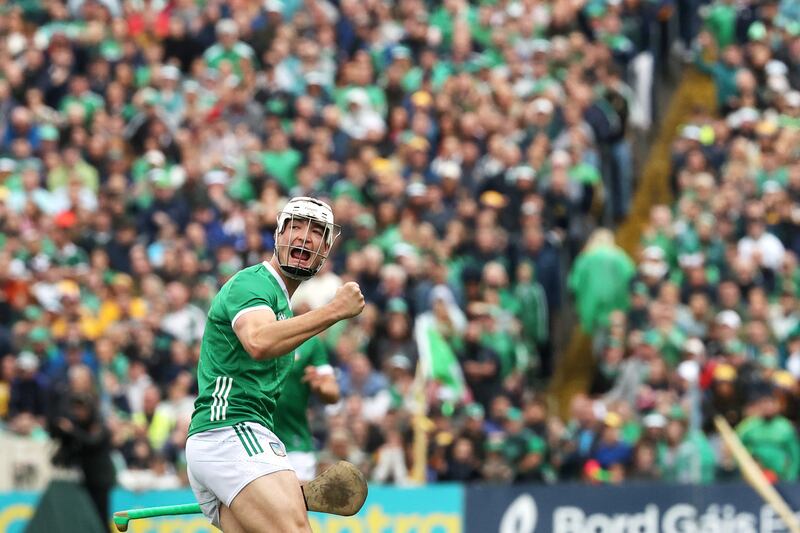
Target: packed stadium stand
[571, 261]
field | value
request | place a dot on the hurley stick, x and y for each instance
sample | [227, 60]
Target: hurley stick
[754, 476]
[339, 490]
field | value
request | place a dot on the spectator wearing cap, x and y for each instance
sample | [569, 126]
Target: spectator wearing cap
[534, 316]
[170, 97]
[684, 456]
[72, 311]
[524, 450]
[121, 303]
[400, 372]
[473, 429]
[28, 395]
[786, 390]
[727, 323]
[239, 55]
[417, 160]
[523, 202]
[653, 426]
[361, 122]
[610, 453]
[495, 468]
[652, 269]
[770, 437]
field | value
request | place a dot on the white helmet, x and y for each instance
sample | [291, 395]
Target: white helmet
[316, 212]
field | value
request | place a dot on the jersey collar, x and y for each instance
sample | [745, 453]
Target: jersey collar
[278, 278]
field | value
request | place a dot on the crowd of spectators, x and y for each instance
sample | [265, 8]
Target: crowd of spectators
[708, 317]
[468, 151]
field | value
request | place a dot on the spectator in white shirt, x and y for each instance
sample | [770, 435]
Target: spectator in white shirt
[184, 321]
[362, 122]
[761, 246]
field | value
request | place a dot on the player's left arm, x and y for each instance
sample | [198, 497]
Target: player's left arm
[319, 374]
[322, 381]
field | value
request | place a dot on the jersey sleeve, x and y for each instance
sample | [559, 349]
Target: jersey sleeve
[247, 295]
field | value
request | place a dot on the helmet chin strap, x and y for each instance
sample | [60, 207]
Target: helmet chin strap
[297, 273]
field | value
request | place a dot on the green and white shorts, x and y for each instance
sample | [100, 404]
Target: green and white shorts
[223, 461]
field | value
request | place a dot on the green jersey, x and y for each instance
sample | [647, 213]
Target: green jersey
[234, 387]
[217, 53]
[773, 443]
[291, 423]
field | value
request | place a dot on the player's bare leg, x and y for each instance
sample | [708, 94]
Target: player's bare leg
[228, 521]
[272, 503]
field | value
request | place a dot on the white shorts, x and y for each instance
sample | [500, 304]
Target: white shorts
[304, 464]
[223, 461]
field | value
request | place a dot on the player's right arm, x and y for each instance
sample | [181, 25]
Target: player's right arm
[264, 337]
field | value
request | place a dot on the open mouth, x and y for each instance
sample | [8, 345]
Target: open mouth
[300, 254]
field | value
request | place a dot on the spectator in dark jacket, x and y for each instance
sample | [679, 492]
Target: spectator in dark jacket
[28, 390]
[481, 365]
[84, 439]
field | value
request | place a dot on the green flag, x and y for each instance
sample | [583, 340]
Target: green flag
[437, 359]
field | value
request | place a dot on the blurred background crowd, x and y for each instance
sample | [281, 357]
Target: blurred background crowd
[474, 154]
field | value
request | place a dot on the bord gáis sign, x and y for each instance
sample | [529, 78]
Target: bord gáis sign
[634, 509]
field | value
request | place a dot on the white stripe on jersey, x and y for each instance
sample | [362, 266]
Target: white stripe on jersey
[216, 399]
[247, 310]
[225, 398]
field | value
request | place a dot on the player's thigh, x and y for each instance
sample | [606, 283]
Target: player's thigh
[228, 522]
[272, 503]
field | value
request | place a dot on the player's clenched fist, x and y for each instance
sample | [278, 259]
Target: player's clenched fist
[348, 300]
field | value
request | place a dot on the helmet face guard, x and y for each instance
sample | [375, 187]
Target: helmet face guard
[298, 257]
